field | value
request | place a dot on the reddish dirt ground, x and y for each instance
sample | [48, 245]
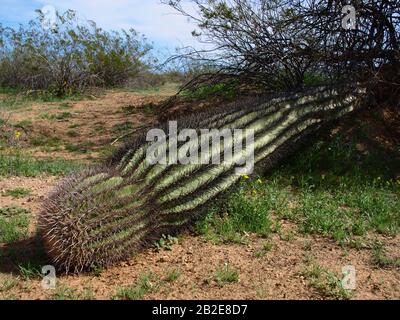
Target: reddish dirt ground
[277, 275]
[95, 120]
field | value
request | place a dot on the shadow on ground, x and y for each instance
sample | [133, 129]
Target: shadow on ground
[27, 254]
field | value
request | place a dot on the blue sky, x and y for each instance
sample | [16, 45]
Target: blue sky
[158, 22]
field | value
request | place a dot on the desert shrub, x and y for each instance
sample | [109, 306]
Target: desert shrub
[68, 56]
[284, 44]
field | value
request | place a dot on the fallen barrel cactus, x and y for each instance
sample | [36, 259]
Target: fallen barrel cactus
[106, 214]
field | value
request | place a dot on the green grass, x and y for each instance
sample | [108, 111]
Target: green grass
[226, 91]
[97, 270]
[243, 211]
[107, 151]
[87, 294]
[64, 105]
[72, 133]
[97, 129]
[226, 274]
[166, 242]
[325, 282]
[17, 99]
[8, 284]
[149, 108]
[381, 258]
[9, 91]
[65, 293]
[329, 188]
[167, 89]
[47, 143]
[266, 247]
[83, 147]
[17, 193]
[12, 103]
[341, 192]
[345, 213]
[18, 164]
[63, 115]
[25, 123]
[30, 270]
[57, 116]
[37, 95]
[307, 245]
[146, 283]
[122, 127]
[129, 109]
[14, 222]
[172, 275]
[45, 96]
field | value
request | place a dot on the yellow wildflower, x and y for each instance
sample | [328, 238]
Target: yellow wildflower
[18, 134]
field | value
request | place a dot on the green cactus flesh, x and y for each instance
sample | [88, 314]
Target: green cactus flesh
[106, 214]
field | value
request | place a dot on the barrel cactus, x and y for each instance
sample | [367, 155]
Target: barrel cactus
[105, 214]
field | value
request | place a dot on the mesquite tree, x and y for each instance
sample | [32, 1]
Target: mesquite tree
[291, 43]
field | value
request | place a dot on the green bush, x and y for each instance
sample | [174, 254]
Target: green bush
[67, 56]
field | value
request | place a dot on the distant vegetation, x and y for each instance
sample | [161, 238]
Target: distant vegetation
[66, 57]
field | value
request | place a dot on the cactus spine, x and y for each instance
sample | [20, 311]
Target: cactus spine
[106, 214]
